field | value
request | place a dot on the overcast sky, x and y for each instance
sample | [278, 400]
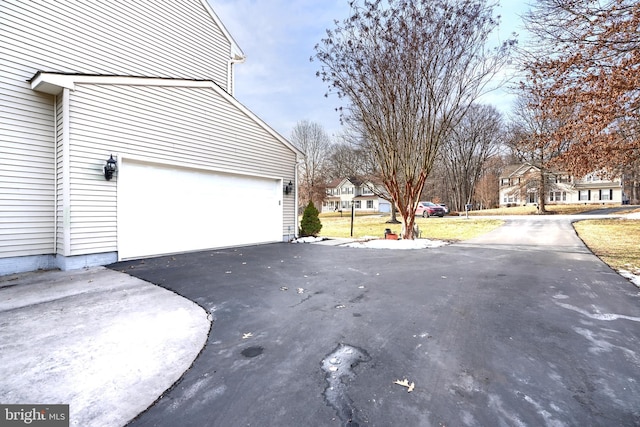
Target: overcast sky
[278, 82]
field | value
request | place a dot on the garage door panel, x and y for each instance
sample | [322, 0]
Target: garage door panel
[166, 210]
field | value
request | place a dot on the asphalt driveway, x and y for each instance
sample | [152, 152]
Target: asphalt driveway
[523, 327]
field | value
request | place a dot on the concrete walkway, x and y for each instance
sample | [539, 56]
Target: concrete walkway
[104, 342]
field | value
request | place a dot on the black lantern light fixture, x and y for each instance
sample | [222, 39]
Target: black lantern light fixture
[110, 168]
[288, 188]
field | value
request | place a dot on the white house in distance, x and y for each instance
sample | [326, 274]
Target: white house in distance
[518, 187]
[341, 193]
[149, 84]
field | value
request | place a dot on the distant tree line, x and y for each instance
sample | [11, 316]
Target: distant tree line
[410, 73]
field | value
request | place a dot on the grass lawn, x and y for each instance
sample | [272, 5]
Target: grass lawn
[448, 228]
[615, 241]
[531, 210]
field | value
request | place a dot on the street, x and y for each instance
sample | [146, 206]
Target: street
[521, 327]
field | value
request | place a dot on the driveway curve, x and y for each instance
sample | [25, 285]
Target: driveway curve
[521, 327]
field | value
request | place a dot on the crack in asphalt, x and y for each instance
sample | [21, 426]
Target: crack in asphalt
[303, 300]
[338, 367]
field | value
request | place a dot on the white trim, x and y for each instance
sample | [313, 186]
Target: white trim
[54, 83]
[143, 159]
[55, 174]
[296, 201]
[231, 82]
[66, 175]
[235, 52]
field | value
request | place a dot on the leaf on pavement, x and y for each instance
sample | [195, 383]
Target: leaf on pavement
[405, 383]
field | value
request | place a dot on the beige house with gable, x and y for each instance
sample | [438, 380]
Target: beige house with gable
[519, 186]
[149, 84]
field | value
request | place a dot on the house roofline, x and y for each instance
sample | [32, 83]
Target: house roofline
[53, 83]
[236, 53]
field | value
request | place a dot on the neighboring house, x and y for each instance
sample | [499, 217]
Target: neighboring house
[151, 84]
[341, 193]
[519, 186]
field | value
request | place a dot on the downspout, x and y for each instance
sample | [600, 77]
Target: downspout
[66, 179]
[55, 176]
[237, 59]
[295, 202]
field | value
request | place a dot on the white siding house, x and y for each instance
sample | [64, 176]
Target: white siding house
[518, 186]
[151, 84]
[341, 194]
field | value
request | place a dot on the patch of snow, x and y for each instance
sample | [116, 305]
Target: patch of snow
[634, 215]
[635, 279]
[397, 244]
[309, 239]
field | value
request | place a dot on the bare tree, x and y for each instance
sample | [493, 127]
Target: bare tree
[465, 152]
[348, 159]
[409, 70]
[314, 142]
[351, 158]
[530, 139]
[487, 191]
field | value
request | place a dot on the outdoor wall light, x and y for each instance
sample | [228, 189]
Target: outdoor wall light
[288, 188]
[110, 168]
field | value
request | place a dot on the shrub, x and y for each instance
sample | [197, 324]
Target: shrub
[310, 224]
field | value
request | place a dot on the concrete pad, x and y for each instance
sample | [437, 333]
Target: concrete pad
[104, 342]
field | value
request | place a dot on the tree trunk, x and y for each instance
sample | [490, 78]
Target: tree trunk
[542, 188]
[394, 216]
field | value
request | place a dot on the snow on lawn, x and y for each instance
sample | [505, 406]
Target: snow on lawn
[309, 239]
[370, 242]
[397, 244]
[632, 277]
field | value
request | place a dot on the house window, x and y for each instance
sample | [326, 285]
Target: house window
[511, 198]
[557, 196]
[605, 194]
[583, 195]
[357, 204]
[369, 204]
[505, 181]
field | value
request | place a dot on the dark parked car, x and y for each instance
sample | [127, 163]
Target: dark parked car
[427, 209]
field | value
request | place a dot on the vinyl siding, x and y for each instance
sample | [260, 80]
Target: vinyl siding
[193, 127]
[175, 39]
[59, 179]
[172, 39]
[28, 164]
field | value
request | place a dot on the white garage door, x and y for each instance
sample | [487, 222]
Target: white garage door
[164, 209]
